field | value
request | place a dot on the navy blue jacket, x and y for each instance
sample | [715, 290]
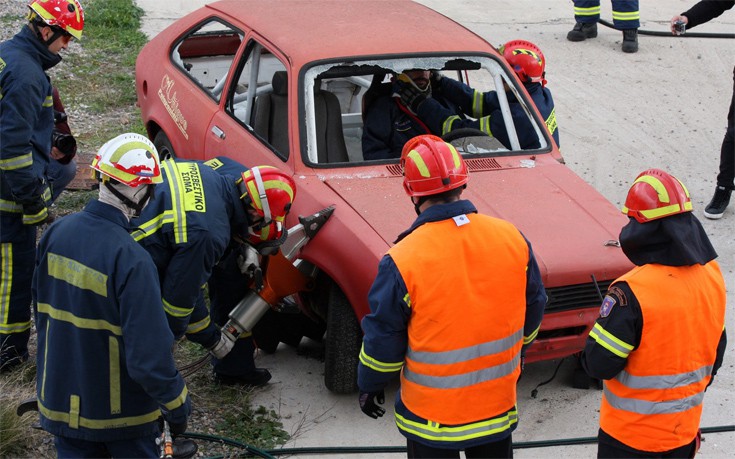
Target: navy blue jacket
[186, 229]
[485, 108]
[105, 368]
[26, 120]
[389, 125]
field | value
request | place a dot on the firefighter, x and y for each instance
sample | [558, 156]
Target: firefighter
[26, 124]
[105, 369]
[660, 337]
[390, 122]
[626, 17]
[529, 64]
[196, 215]
[437, 308]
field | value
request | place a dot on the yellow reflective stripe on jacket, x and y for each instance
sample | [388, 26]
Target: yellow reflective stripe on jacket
[10, 206]
[626, 15]
[551, 121]
[195, 327]
[6, 282]
[485, 125]
[435, 432]
[179, 400]
[478, 101]
[115, 391]
[176, 311]
[75, 421]
[77, 274]
[153, 225]
[591, 11]
[6, 285]
[610, 342]
[38, 217]
[17, 162]
[447, 125]
[177, 201]
[79, 322]
[48, 102]
[377, 365]
[532, 336]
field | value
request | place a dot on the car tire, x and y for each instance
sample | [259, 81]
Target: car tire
[164, 147]
[341, 345]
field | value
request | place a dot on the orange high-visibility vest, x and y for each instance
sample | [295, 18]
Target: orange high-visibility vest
[467, 292]
[655, 403]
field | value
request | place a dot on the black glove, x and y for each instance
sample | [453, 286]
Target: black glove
[35, 212]
[177, 428]
[411, 96]
[368, 406]
[435, 77]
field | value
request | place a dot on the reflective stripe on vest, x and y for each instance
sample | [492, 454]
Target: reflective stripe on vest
[466, 327]
[655, 404]
[436, 432]
[463, 355]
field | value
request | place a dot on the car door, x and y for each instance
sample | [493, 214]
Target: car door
[253, 125]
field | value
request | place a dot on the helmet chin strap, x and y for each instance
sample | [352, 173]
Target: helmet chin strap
[37, 26]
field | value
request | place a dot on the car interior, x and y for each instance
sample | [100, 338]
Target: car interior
[336, 95]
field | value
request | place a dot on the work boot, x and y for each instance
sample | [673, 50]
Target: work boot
[718, 204]
[10, 359]
[582, 31]
[257, 378]
[630, 40]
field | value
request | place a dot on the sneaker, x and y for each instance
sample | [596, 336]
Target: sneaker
[582, 31]
[10, 359]
[718, 204]
[630, 40]
[257, 378]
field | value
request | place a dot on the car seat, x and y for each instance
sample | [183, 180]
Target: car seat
[270, 114]
[330, 140]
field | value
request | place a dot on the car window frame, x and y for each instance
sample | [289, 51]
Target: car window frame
[308, 75]
[197, 26]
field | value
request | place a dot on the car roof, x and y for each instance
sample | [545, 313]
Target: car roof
[320, 29]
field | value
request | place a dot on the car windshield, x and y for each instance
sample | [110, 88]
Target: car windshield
[352, 114]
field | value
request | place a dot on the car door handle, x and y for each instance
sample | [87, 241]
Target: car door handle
[218, 132]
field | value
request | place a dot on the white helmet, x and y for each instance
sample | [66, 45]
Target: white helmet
[129, 158]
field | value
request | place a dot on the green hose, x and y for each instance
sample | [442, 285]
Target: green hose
[272, 453]
[668, 33]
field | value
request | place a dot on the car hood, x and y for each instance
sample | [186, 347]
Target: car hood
[573, 229]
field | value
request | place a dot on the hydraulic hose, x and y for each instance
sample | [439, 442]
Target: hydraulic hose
[272, 453]
[669, 34]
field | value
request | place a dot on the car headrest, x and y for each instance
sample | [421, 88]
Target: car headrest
[280, 83]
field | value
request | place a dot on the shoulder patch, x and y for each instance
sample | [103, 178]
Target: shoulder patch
[607, 305]
[461, 220]
[618, 292]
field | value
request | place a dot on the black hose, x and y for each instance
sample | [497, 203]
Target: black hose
[272, 453]
[668, 33]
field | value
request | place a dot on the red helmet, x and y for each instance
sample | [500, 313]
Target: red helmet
[431, 166]
[526, 59]
[656, 194]
[67, 15]
[270, 193]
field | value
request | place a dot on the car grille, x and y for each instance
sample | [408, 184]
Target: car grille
[575, 296]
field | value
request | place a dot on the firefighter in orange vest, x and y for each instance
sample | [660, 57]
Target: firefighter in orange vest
[452, 323]
[660, 338]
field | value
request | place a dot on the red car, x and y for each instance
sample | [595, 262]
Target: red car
[287, 83]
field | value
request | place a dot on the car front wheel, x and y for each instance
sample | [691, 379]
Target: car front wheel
[342, 344]
[164, 147]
